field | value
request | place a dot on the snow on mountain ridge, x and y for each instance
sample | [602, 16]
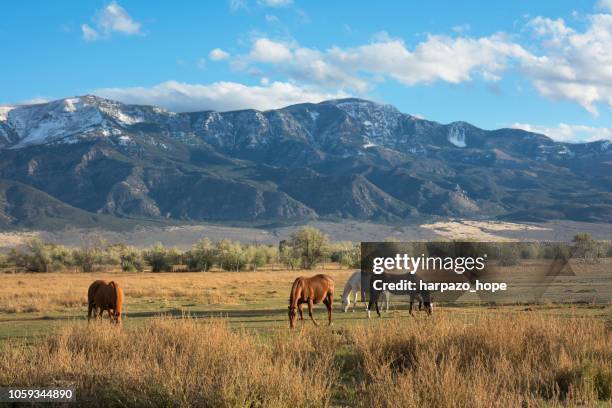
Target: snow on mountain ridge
[456, 135]
[87, 115]
[4, 111]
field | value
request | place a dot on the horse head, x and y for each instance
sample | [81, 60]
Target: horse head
[345, 303]
[292, 315]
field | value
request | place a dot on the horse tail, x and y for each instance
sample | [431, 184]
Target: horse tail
[118, 296]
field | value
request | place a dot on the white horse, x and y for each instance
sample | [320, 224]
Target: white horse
[353, 285]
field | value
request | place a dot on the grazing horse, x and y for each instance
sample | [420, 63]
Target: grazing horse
[424, 296]
[353, 285]
[103, 296]
[317, 289]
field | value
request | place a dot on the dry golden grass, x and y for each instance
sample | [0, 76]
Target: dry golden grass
[497, 361]
[58, 291]
[500, 361]
[173, 363]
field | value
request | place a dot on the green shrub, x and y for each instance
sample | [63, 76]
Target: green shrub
[586, 248]
[230, 255]
[201, 256]
[311, 245]
[40, 257]
[161, 259]
[508, 255]
[352, 258]
[131, 260]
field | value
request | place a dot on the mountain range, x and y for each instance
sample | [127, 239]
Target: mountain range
[89, 161]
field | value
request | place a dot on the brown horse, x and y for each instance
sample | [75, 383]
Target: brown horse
[105, 296]
[317, 289]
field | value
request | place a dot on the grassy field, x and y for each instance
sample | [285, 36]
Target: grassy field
[223, 340]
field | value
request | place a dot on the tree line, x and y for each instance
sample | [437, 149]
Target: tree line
[305, 249]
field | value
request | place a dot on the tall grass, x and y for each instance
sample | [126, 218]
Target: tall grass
[172, 363]
[501, 361]
[494, 361]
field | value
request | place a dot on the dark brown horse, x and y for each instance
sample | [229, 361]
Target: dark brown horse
[423, 296]
[105, 296]
[317, 289]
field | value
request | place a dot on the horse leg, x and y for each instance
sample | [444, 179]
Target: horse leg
[387, 295]
[373, 301]
[355, 300]
[428, 308]
[411, 303]
[331, 305]
[328, 304]
[310, 312]
[299, 307]
[363, 298]
[90, 307]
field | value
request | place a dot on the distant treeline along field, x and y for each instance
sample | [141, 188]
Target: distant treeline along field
[306, 248]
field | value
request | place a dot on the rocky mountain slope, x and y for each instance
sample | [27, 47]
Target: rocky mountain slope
[348, 158]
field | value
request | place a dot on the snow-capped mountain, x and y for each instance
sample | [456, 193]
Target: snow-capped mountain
[347, 158]
[72, 119]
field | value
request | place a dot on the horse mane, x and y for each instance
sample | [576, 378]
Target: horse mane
[294, 288]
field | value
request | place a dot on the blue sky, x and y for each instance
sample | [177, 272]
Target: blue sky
[544, 66]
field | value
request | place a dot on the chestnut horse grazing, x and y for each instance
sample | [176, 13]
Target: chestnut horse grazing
[105, 296]
[317, 289]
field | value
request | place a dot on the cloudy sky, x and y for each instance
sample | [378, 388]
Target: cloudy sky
[544, 66]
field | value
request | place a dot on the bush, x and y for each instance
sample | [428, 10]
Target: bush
[161, 259]
[40, 257]
[508, 254]
[131, 260]
[201, 256]
[91, 255]
[352, 258]
[4, 261]
[337, 250]
[586, 248]
[230, 255]
[310, 245]
[289, 257]
[556, 251]
[529, 250]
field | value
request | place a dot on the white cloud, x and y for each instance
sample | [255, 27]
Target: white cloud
[569, 133]
[275, 3]
[563, 63]
[575, 66]
[218, 54]
[89, 33]
[438, 58]
[236, 5]
[605, 5]
[221, 96]
[265, 50]
[111, 19]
